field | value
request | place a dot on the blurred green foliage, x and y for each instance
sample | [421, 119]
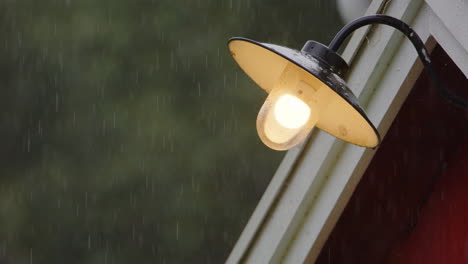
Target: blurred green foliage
[128, 132]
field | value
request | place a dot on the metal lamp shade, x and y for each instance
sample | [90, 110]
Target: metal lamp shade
[340, 113]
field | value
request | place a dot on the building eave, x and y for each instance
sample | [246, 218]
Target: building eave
[315, 181]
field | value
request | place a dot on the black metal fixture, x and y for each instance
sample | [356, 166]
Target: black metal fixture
[306, 88]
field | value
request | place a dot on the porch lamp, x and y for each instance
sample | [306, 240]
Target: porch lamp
[306, 88]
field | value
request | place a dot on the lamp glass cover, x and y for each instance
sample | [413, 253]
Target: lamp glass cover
[289, 112]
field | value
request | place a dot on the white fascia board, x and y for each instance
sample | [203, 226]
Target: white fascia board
[375, 7]
[382, 66]
[454, 16]
[393, 88]
[399, 76]
[314, 182]
[449, 26]
[261, 214]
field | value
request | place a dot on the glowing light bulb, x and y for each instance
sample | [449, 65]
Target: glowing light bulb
[291, 112]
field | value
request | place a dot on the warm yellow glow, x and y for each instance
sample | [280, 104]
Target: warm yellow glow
[273, 70]
[286, 118]
[291, 112]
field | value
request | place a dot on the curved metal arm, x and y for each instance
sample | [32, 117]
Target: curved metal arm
[412, 36]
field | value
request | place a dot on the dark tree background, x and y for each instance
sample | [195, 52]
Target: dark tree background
[128, 133]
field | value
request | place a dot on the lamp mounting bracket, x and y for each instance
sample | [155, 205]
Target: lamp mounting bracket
[415, 40]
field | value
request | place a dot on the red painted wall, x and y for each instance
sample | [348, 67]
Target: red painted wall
[441, 234]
